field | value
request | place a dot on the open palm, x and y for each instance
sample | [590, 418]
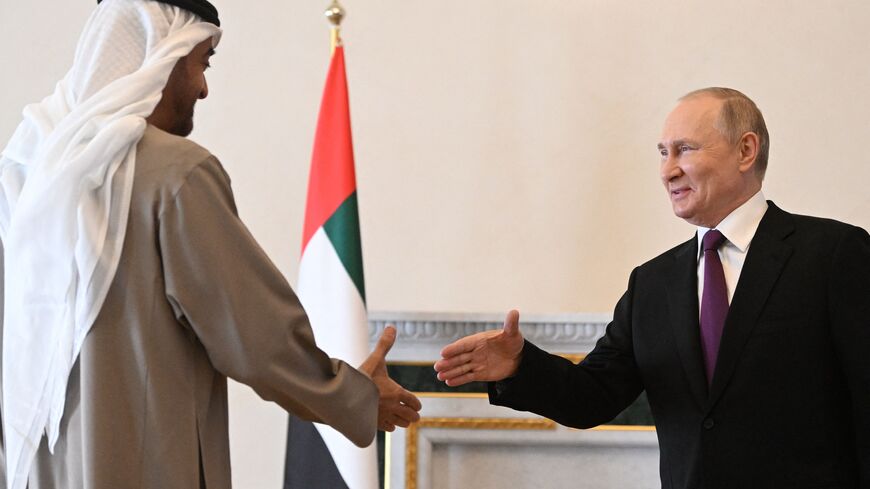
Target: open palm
[483, 357]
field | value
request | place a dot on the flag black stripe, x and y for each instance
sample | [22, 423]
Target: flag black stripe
[308, 463]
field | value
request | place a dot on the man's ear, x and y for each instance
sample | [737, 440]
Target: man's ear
[748, 147]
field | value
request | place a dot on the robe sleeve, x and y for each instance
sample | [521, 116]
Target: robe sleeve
[250, 322]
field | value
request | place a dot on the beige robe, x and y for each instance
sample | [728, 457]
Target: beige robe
[195, 300]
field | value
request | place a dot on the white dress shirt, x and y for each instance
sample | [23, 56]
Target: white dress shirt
[738, 228]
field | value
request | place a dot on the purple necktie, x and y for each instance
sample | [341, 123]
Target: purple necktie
[714, 302]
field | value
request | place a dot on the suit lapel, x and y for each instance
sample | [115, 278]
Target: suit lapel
[767, 256]
[682, 293]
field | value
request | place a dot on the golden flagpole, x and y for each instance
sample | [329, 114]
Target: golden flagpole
[335, 14]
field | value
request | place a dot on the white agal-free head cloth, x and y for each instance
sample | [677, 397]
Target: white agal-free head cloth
[65, 183]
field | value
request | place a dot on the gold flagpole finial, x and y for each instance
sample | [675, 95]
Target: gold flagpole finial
[335, 14]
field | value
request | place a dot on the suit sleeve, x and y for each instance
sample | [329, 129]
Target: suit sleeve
[582, 395]
[849, 297]
[250, 322]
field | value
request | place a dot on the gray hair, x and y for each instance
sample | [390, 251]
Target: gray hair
[739, 115]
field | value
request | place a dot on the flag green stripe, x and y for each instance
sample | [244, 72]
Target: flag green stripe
[342, 228]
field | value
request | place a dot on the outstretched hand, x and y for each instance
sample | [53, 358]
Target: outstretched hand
[488, 356]
[396, 406]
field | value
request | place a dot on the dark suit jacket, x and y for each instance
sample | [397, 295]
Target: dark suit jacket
[789, 405]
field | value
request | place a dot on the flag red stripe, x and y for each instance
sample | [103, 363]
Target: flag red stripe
[332, 178]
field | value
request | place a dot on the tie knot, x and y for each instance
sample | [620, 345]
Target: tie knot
[713, 240]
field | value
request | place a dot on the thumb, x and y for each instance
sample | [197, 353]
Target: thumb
[512, 323]
[385, 342]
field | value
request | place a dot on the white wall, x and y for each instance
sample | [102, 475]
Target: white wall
[505, 148]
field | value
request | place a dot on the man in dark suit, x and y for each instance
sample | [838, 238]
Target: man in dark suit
[751, 339]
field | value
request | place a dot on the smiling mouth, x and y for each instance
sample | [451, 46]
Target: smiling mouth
[679, 192]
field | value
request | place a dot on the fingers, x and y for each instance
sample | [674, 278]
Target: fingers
[403, 416]
[449, 363]
[461, 346]
[463, 369]
[512, 323]
[460, 380]
[397, 415]
[385, 342]
[470, 343]
[400, 411]
[410, 400]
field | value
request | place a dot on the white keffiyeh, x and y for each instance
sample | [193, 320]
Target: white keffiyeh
[65, 183]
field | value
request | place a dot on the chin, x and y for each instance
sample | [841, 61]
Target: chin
[183, 129]
[681, 212]
[686, 215]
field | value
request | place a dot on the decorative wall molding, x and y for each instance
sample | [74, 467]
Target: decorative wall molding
[422, 335]
[412, 435]
[463, 441]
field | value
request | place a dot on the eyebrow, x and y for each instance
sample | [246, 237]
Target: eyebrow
[678, 142]
[211, 52]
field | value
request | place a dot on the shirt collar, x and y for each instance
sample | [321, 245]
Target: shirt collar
[739, 227]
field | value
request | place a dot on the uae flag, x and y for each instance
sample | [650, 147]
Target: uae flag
[332, 291]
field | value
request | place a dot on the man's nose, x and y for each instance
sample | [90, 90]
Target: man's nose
[670, 169]
[204, 92]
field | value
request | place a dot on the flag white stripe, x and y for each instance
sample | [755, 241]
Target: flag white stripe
[338, 317]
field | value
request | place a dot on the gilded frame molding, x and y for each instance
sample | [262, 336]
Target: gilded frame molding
[538, 424]
[412, 434]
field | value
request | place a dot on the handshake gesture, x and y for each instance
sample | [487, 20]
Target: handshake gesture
[482, 357]
[396, 406]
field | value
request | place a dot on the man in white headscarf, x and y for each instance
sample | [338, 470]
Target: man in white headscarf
[131, 288]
